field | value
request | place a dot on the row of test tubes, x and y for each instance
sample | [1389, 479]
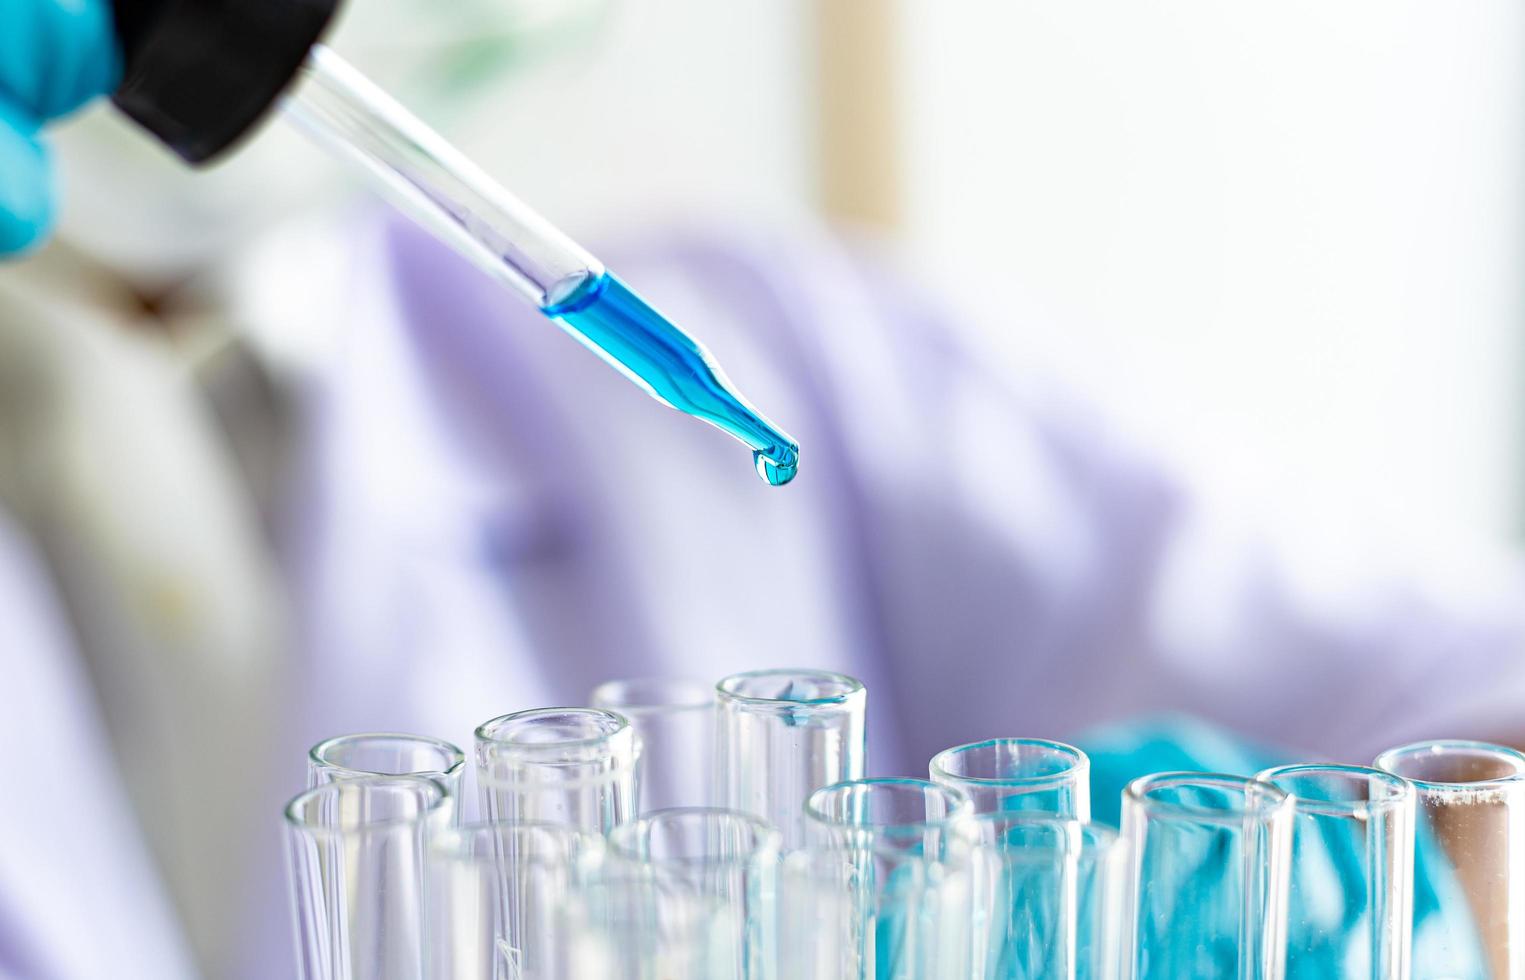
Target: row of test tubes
[674, 831]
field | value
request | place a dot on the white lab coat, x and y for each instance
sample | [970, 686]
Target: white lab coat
[79, 894]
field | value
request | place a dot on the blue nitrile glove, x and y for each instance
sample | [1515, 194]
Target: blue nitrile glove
[55, 55]
[1445, 942]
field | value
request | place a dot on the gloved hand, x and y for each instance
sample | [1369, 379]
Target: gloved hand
[1329, 934]
[55, 55]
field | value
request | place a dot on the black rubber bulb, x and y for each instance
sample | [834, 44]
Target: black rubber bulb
[200, 74]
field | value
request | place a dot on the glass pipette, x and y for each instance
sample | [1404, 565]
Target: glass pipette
[464, 207]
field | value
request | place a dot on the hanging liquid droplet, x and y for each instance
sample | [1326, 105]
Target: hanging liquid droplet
[617, 325]
[778, 468]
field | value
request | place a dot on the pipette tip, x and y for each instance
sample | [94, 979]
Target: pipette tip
[778, 465]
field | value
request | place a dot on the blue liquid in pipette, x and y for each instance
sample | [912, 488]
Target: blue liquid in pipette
[673, 367]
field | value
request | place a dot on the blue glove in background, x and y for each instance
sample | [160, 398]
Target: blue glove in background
[55, 55]
[1445, 938]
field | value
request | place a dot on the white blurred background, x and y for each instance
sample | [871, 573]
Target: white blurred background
[1286, 240]
[1281, 243]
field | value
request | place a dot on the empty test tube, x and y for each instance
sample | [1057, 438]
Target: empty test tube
[820, 920]
[1471, 836]
[1019, 774]
[633, 924]
[355, 850]
[1209, 895]
[720, 862]
[902, 849]
[891, 810]
[1047, 898]
[571, 766]
[496, 900]
[1350, 901]
[783, 734]
[675, 720]
[388, 754]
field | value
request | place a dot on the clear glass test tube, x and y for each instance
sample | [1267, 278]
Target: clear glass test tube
[570, 766]
[355, 850]
[903, 850]
[782, 735]
[628, 927]
[1047, 898]
[1019, 774]
[496, 898]
[720, 862]
[1350, 900]
[388, 754]
[675, 720]
[632, 924]
[821, 918]
[1209, 894]
[1471, 837]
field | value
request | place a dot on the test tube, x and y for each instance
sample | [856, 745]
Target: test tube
[388, 754]
[1047, 897]
[571, 766]
[628, 926]
[1471, 834]
[820, 923]
[1019, 774]
[1209, 892]
[721, 862]
[1350, 902]
[355, 850]
[496, 900]
[782, 735]
[902, 849]
[675, 720]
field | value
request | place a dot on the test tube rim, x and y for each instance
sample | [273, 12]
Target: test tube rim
[485, 736]
[436, 793]
[853, 689]
[450, 750]
[1270, 801]
[956, 815]
[1502, 753]
[768, 839]
[1082, 766]
[1403, 797]
[703, 700]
